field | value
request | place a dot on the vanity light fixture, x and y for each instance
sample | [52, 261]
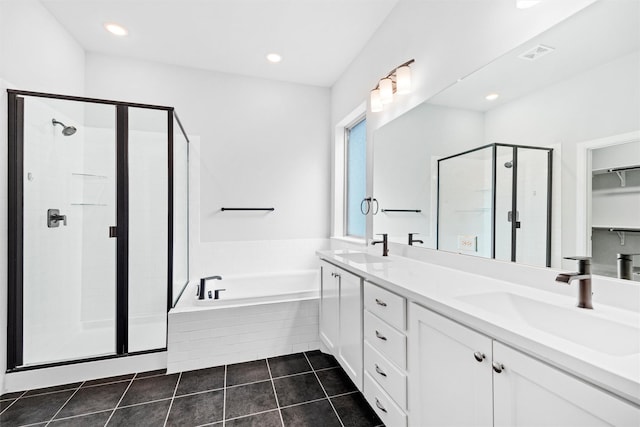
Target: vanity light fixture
[376, 102]
[492, 97]
[116, 29]
[386, 90]
[274, 58]
[398, 81]
[526, 4]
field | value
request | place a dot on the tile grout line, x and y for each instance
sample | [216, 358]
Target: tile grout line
[248, 415]
[277, 378]
[325, 391]
[143, 403]
[119, 401]
[70, 417]
[224, 396]
[175, 390]
[275, 393]
[14, 401]
[64, 404]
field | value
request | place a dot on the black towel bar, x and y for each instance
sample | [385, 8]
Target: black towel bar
[247, 209]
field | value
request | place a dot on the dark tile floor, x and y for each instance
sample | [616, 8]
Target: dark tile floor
[304, 389]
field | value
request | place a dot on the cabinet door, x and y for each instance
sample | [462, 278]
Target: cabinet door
[447, 385]
[350, 329]
[530, 393]
[329, 307]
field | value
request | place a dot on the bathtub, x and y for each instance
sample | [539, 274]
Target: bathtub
[257, 316]
[256, 288]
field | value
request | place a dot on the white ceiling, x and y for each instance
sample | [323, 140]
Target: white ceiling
[594, 36]
[318, 39]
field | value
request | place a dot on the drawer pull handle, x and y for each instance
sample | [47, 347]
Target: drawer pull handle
[498, 367]
[380, 336]
[380, 371]
[379, 405]
[382, 303]
[479, 356]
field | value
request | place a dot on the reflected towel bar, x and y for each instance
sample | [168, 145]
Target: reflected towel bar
[402, 210]
[247, 209]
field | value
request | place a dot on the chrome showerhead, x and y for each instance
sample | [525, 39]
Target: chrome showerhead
[66, 130]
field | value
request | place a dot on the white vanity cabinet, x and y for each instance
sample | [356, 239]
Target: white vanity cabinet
[385, 354]
[461, 377]
[341, 318]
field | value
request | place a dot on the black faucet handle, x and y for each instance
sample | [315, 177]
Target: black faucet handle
[384, 235]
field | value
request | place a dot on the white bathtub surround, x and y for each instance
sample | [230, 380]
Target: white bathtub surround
[569, 339]
[257, 316]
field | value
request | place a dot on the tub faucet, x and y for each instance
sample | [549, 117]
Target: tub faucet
[625, 266]
[583, 276]
[412, 240]
[203, 281]
[385, 245]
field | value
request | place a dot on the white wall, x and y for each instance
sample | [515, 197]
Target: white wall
[262, 144]
[36, 53]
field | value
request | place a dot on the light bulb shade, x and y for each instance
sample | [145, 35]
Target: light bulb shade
[375, 102]
[386, 90]
[403, 80]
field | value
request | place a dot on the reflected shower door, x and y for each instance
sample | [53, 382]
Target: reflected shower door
[533, 240]
[69, 192]
[465, 203]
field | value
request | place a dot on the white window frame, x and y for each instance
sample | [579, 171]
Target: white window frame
[339, 184]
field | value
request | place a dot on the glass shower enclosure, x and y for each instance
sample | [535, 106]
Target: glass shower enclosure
[495, 202]
[98, 234]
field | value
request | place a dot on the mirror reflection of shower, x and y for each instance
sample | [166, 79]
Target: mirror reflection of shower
[66, 130]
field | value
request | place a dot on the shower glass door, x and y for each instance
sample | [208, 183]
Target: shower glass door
[69, 196]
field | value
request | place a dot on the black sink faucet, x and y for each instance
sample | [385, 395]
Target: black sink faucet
[583, 276]
[412, 240]
[385, 246]
[203, 281]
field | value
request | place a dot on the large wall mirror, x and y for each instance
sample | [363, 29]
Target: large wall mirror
[577, 83]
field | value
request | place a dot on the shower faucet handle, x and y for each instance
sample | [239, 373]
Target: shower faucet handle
[54, 218]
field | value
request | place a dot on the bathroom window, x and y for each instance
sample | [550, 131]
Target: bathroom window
[355, 178]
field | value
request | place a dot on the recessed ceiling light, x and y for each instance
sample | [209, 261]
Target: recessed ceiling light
[116, 29]
[526, 4]
[274, 58]
[492, 97]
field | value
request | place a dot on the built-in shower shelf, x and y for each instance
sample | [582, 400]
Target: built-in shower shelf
[89, 175]
[89, 204]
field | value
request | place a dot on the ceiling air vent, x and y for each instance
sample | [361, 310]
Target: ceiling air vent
[536, 52]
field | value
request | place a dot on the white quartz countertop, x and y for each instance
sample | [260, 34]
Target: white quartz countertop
[612, 363]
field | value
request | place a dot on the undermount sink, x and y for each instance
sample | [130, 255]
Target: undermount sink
[580, 326]
[362, 257]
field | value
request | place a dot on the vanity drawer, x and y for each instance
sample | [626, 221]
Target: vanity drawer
[386, 305]
[390, 378]
[387, 340]
[387, 410]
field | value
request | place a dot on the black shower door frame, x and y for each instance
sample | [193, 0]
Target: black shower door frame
[15, 260]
